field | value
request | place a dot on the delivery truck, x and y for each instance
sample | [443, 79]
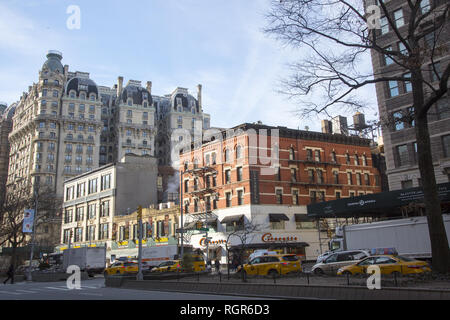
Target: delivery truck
[409, 236]
[153, 256]
[90, 259]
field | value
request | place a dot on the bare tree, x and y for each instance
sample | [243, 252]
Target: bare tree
[338, 35]
[243, 233]
[12, 214]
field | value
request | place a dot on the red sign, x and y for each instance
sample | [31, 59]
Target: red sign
[267, 237]
[203, 242]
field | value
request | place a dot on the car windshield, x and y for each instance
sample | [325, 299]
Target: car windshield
[290, 258]
[406, 259]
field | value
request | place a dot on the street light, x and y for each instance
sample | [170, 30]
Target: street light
[139, 217]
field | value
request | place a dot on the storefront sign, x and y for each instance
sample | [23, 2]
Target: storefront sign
[204, 241]
[267, 237]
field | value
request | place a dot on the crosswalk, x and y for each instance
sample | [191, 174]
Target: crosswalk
[17, 290]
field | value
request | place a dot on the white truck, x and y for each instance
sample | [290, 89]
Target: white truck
[89, 259]
[153, 256]
[409, 236]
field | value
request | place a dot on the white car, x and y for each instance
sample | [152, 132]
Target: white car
[323, 256]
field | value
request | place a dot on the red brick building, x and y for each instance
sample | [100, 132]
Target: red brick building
[264, 173]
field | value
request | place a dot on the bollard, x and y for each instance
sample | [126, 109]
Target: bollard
[307, 277]
[395, 279]
[220, 277]
[348, 279]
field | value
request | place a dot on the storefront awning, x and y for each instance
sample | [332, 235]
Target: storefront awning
[231, 219]
[189, 225]
[302, 218]
[278, 245]
[277, 217]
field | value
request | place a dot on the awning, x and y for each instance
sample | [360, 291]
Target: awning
[302, 218]
[268, 246]
[190, 225]
[277, 217]
[231, 219]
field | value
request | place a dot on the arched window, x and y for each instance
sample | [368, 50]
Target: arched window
[227, 155]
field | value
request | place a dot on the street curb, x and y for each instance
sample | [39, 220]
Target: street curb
[281, 291]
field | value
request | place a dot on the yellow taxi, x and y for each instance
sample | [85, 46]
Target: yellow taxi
[389, 264]
[272, 265]
[176, 265]
[122, 267]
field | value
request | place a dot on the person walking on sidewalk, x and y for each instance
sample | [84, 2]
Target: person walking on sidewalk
[217, 265]
[10, 274]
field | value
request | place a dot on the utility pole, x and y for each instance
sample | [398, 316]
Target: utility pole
[139, 216]
[33, 236]
[181, 215]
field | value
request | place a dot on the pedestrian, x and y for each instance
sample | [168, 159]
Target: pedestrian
[10, 274]
[217, 265]
[235, 264]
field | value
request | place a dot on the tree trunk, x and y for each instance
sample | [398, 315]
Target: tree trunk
[436, 227]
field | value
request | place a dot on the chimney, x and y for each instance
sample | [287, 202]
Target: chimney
[199, 97]
[119, 86]
[66, 69]
[149, 87]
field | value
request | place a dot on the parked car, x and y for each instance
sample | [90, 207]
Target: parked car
[335, 261]
[174, 265]
[323, 256]
[122, 267]
[271, 265]
[389, 264]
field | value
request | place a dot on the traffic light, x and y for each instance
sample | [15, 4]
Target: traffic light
[139, 212]
[198, 225]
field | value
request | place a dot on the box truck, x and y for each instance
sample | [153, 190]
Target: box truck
[89, 259]
[409, 236]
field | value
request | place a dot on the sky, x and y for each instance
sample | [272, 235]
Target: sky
[173, 43]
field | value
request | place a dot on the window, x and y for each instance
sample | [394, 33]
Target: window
[313, 196]
[443, 108]
[295, 197]
[336, 177]
[309, 155]
[228, 176]
[104, 209]
[104, 231]
[240, 195]
[402, 155]
[311, 175]
[80, 189]
[399, 123]
[79, 216]
[349, 178]
[228, 199]
[44, 92]
[92, 208]
[238, 152]
[425, 6]
[366, 179]
[279, 196]
[384, 25]
[356, 160]
[291, 154]
[333, 157]
[347, 158]
[319, 176]
[398, 18]
[317, 155]
[239, 174]
[446, 146]
[293, 174]
[106, 182]
[278, 225]
[78, 235]
[402, 49]
[358, 179]
[436, 72]
[364, 158]
[92, 186]
[387, 58]
[393, 89]
[338, 195]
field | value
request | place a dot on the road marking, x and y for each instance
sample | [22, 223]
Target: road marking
[26, 291]
[10, 292]
[58, 288]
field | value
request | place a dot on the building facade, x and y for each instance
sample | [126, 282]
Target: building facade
[93, 199]
[395, 98]
[266, 176]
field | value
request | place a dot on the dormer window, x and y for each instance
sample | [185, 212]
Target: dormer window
[178, 101]
[72, 95]
[92, 97]
[130, 102]
[82, 96]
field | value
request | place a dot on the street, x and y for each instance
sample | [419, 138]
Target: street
[94, 289]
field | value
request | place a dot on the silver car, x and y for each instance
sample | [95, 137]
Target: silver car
[332, 263]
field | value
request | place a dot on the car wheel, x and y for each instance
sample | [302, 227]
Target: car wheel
[272, 273]
[318, 271]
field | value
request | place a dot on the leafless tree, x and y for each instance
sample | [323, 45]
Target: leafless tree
[243, 232]
[337, 35]
[12, 214]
